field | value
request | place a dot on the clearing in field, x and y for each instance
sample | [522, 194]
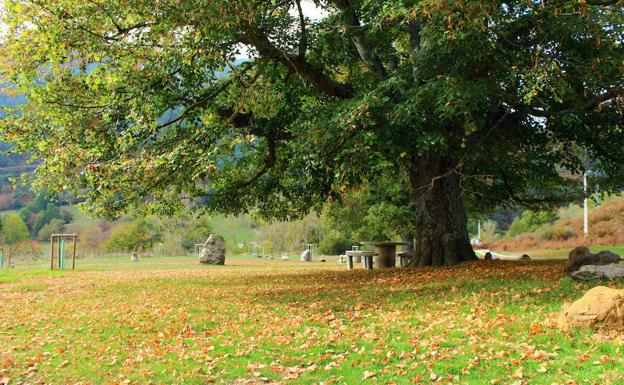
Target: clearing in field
[287, 322]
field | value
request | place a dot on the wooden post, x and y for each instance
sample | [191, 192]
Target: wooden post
[52, 253]
[74, 255]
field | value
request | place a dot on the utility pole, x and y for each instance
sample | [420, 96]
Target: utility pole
[585, 208]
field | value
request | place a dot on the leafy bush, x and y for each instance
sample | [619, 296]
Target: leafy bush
[555, 233]
[140, 234]
[530, 221]
[55, 226]
[381, 222]
[195, 229]
[180, 233]
[375, 211]
[14, 229]
[334, 245]
[28, 248]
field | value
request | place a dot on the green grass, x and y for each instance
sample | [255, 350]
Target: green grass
[172, 321]
[235, 230]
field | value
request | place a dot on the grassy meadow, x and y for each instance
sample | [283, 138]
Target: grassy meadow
[172, 321]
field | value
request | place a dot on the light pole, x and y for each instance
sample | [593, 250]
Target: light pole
[585, 208]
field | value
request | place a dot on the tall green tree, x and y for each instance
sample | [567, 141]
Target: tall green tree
[137, 235]
[14, 229]
[144, 105]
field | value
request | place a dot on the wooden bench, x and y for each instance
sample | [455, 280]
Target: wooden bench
[367, 258]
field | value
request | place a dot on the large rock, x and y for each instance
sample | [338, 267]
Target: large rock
[306, 256]
[579, 252]
[589, 272]
[213, 251]
[608, 257]
[600, 307]
[581, 256]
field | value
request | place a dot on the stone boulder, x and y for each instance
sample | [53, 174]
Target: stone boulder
[213, 251]
[581, 256]
[608, 257]
[589, 272]
[306, 256]
[601, 307]
[579, 252]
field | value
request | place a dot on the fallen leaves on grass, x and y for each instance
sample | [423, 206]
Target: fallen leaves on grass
[252, 326]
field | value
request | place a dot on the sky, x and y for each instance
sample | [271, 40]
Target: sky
[311, 10]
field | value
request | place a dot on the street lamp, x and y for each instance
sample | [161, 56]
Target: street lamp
[585, 206]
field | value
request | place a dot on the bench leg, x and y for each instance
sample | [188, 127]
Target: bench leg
[350, 262]
[369, 262]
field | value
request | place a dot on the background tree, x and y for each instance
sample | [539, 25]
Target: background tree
[372, 212]
[136, 235]
[138, 104]
[54, 226]
[14, 229]
[181, 232]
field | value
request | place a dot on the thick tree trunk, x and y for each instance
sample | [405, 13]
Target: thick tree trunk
[440, 229]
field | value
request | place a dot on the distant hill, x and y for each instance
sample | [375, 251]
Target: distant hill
[606, 228]
[11, 165]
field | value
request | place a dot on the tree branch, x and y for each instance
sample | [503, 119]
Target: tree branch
[303, 42]
[269, 163]
[589, 105]
[363, 46]
[415, 28]
[306, 70]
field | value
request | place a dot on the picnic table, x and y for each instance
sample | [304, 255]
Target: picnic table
[357, 255]
[385, 253]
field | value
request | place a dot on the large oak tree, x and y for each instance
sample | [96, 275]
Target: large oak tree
[147, 103]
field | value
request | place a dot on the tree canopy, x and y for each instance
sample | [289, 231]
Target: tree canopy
[14, 230]
[144, 105]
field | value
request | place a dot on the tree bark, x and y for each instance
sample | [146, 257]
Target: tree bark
[440, 230]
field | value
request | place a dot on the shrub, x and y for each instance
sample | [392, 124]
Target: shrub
[14, 229]
[530, 221]
[196, 229]
[55, 226]
[28, 248]
[139, 234]
[555, 233]
[334, 245]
